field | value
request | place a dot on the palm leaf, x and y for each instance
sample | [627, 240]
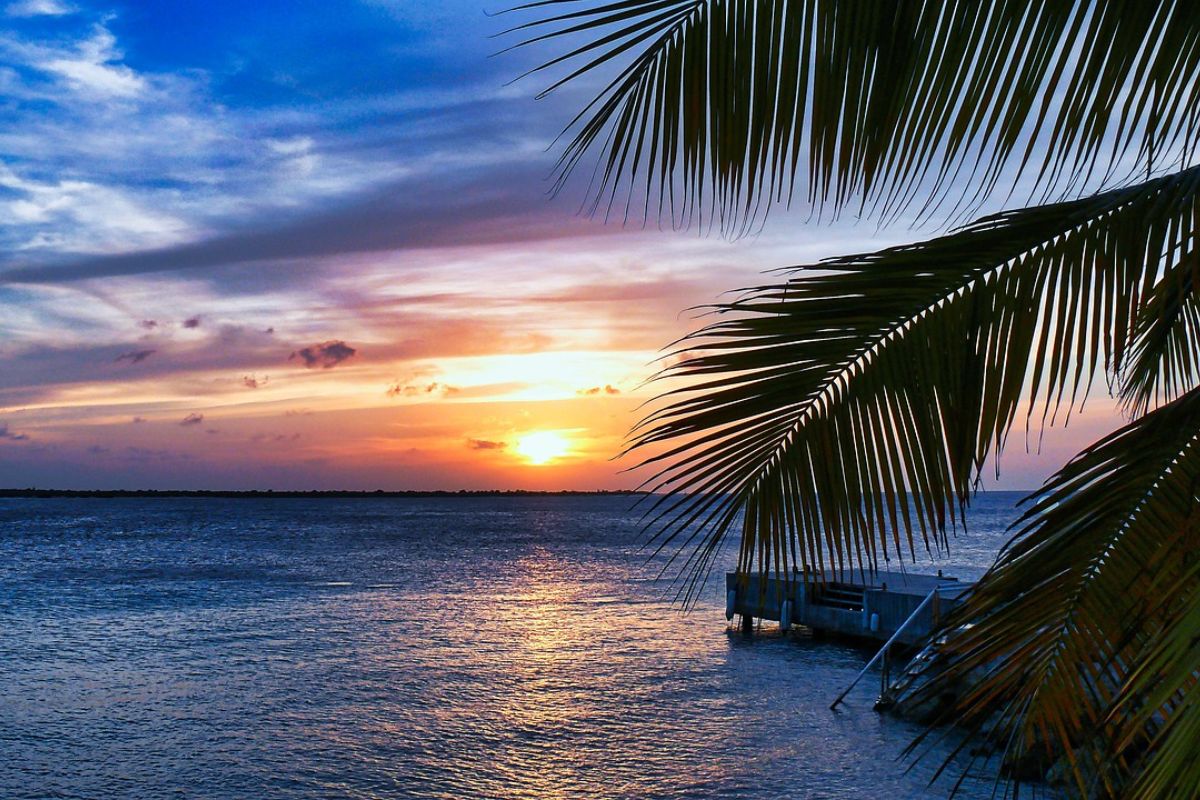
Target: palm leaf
[1076, 645]
[717, 107]
[1159, 707]
[820, 403]
[1165, 353]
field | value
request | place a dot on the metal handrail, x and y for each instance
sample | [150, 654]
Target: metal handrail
[928, 598]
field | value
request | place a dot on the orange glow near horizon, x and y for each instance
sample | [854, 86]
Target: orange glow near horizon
[543, 447]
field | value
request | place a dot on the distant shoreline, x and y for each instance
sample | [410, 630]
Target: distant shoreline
[253, 494]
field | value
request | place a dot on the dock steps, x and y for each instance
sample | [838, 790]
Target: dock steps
[839, 595]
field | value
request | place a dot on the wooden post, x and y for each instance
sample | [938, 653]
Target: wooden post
[747, 625]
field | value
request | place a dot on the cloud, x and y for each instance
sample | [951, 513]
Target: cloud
[69, 214]
[485, 444]
[137, 420]
[192, 419]
[191, 322]
[149, 324]
[399, 389]
[608, 388]
[135, 356]
[254, 382]
[38, 8]
[91, 69]
[11, 435]
[324, 355]
[400, 215]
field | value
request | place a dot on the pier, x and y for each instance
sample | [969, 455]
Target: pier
[899, 608]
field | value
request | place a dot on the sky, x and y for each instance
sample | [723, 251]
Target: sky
[310, 245]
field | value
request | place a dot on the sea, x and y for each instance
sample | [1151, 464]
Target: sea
[457, 647]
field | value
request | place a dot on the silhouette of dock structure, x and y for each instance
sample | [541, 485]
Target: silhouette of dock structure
[900, 608]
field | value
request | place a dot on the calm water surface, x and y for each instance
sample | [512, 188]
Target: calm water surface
[448, 648]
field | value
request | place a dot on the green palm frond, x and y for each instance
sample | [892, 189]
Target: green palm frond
[715, 108]
[1081, 642]
[822, 402]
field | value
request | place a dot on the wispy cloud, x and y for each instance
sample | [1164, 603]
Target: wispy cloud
[135, 356]
[92, 67]
[434, 389]
[192, 419]
[38, 8]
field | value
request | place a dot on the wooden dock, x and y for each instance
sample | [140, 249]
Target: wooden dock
[873, 606]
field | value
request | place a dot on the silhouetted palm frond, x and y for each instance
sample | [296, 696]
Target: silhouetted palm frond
[824, 401]
[1081, 643]
[719, 107]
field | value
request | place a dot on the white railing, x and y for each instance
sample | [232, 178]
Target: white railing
[883, 650]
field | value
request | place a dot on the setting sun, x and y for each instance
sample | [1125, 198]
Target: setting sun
[542, 447]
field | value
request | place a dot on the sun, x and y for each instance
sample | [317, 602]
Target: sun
[542, 447]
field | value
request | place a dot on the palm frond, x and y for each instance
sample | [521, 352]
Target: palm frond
[1074, 646]
[719, 107]
[1165, 354]
[1158, 709]
[818, 404]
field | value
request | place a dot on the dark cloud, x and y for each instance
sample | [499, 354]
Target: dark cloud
[485, 444]
[399, 389]
[470, 207]
[137, 420]
[135, 356]
[11, 435]
[254, 382]
[192, 419]
[607, 388]
[324, 355]
[149, 324]
[191, 322]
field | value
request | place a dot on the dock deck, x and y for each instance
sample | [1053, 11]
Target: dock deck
[866, 606]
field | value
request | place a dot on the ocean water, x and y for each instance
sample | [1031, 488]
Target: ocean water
[413, 648]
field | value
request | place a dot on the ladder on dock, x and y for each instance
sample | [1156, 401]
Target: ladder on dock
[884, 651]
[845, 596]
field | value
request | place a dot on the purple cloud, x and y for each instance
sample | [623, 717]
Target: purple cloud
[192, 419]
[11, 435]
[135, 356]
[191, 322]
[324, 355]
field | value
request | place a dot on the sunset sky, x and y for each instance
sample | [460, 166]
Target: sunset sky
[309, 245]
